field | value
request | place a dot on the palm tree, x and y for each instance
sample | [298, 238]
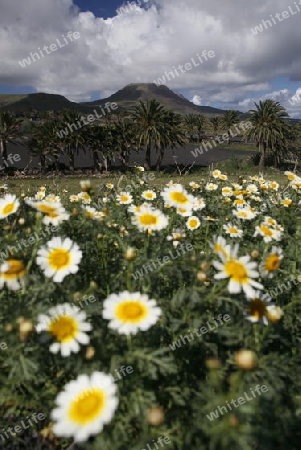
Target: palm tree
[9, 132]
[39, 146]
[189, 123]
[123, 140]
[200, 122]
[174, 135]
[268, 127]
[149, 127]
[230, 119]
[46, 135]
[215, 124]
[74, 140]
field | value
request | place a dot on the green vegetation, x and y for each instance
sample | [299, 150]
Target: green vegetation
[228, 318]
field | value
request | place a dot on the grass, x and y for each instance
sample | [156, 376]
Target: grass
[57, 184]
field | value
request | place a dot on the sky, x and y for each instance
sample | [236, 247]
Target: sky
[226, 54]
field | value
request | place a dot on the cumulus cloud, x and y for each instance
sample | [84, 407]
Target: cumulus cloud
[197, 100]
[141, 43]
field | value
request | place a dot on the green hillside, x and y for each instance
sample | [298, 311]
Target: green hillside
[38, 102]
[131, 94]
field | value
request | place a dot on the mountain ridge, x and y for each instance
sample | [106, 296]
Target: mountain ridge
[127, 97]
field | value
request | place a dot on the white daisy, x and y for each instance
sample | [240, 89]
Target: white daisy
[124, 198]
[267, 233]
[227, 191]
[257, 308]
[232, 230]
[185, 212]
[216, 173]
[193, 223]
[244, 214]
[271, 263]
[85, 406]
[211, 187]
[220, 246]
[240, 271]
[8, 205]
[74, 198]
[176, 195]
[59, 258]
[130, 312]
[66, 323]
[12, 273]
[198, 204]
[149, 195]
[56, 218]
[85, 185]
[149, 219]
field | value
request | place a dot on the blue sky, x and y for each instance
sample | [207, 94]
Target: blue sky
[149, 38]
[103, 9]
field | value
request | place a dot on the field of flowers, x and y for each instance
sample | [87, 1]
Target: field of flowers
[152, 318]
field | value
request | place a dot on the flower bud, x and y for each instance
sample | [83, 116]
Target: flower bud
[130, 254]
[245, 359]
[255, 253]
[155, 416]
[90, 352]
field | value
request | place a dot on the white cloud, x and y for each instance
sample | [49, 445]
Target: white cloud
[143, 43]
[197, 100]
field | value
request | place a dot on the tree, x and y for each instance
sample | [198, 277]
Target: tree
[200, 123]
[149, 127]
[268, 127]
[174, 135]
[9, 132]
[215, 123]
[39, 146]
[230, 119]
[74, 140]
[189, 123]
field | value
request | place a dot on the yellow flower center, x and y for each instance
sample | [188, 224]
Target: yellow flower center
[266, 230]
[233, 230]
[148, 219]
[87, 407]
[64, 328]
[131, 311]
[124, 198]
[272, 263]
[220, 249]
[16, 269]
[257, 308]
[242, 214]
[8, 208]
[193, 223]
[47, 209]
[59, 258]
[237, 271]
[179, 197]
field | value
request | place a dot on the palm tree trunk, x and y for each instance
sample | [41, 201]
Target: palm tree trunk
[3, 149]
[71, 162]
[96, 162]
[262, 157]
[43, 163]
[147, 162]
[160, 159]
[56, 163]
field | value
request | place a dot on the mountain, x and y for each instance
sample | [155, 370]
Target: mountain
[38, 102]
[125, 98]
[131, 94]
